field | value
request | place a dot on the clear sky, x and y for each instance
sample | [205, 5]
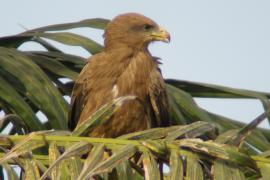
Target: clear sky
[224, 42]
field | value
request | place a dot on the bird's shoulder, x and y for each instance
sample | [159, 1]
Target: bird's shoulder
[105, 64]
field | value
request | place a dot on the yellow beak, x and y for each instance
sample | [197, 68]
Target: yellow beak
[161, 35]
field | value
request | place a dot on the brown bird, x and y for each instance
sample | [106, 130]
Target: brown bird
[124, 67]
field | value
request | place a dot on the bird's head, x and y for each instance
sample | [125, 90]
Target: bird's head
[133, 30]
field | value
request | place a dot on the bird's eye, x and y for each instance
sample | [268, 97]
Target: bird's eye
[148, 27]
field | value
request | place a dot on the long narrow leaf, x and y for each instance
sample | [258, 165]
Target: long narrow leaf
[53, 156]
[264, 166]
[30, 168]
[191, 131]
[24, 146]
[101, 115]
[71, 39]
[187, 105]
[194, 170]
[92, 160]
[176, 166]
[118, 157]
[16, 104]
[53, 66]
[35, 85]
[150, 167]
[75, 150]
[223, 171]
[98, 23]
[221, 151]
[11, 174]
[197, 89]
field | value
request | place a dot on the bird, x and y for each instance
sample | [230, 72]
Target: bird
[125, 67]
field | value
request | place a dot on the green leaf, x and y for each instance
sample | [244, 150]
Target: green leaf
[223, 123]
[197, 89]
[172, 132]
[229, 92]
[246, 130]
[75, 166]
[98, 23]
[176, 115]
[54, 154]
[101, 115]
[256, 139]
[24, 146]
[45, 44]
[223, 171]
[153, 133]
[53, 66]
[117, 158]
[75, 150]
[264, 166]
[221, 151]
[124, 171]
[14, 41]
[16, 121]
[187, 105]
[71, 39]
[66, 59]
[193, 170]
[157, 146]
[30, 168]
[191, 131]
[176, 165]
[15, 103]
[94, 157]
[150, 166]
[11, 174]
[35, 85]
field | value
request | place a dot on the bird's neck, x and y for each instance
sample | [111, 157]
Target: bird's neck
[125, 56]
[119, 45]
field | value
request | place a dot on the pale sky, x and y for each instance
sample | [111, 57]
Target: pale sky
[223, 42]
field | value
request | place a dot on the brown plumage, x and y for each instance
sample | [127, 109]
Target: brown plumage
[124, 67]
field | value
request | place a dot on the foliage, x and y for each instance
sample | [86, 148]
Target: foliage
[198, 145]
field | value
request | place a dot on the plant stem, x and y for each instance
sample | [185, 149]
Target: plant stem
[63, 140]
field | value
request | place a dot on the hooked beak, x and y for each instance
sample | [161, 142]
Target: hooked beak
[160, 35]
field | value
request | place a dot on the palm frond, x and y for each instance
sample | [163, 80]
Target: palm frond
[198, 145]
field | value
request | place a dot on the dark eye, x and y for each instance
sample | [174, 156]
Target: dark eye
[148, 27]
